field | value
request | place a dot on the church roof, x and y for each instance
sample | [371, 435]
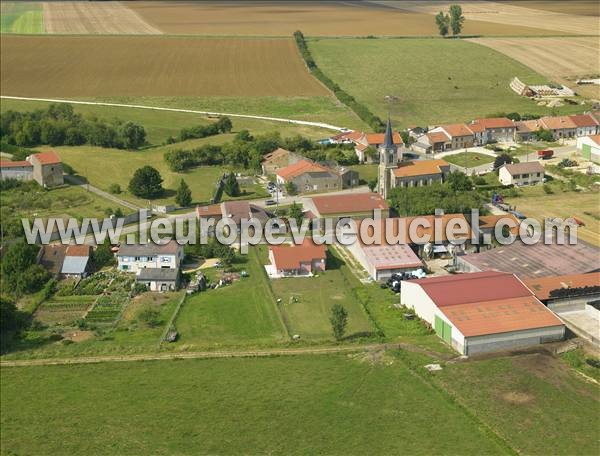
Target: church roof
[388, 141]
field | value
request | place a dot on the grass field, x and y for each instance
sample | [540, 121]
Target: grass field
[435, 81]
[522, 401]
[534, 202]
[300, 405]
[243, 313]
[21, 17]
[153, 65]
[469, 159]
[560, 59]
[306, 303]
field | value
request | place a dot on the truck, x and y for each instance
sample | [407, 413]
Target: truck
[545, 154]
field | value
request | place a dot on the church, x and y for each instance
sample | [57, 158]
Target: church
[395, 172]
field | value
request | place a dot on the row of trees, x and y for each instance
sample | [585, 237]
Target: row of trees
[59, 125]
[247, 151]
[453, 20]
[223, 125]
[361, 110]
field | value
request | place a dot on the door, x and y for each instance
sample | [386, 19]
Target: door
[443, 330]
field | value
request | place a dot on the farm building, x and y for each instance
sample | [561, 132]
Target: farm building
[279, 158]
[519, 174]
[458, 136]
[586, 125]
[496, 129]
[482, 312]
[51, 257]
[45, 168]
[534, 261]
[159, 279]
[135, 257]
[354, 205]
[589, 147]
[487, 224]
[566, 292]
[77, 261]
[235, 210]
[296, 260]
[308, 176]
[420, 173]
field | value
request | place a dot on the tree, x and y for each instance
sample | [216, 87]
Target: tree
[19, 269]
[456, 19]
[443, 22]
[502, 160]
[290, 188]
[339, 320]
[115, 189]
[231, 186]
[12, 321]
[372, 184]
[184, 194]
[224, 125]
[544, 135]
[296, 213]
[134, 135]
[146, 183]
[458, 181]
[407, 139]
[103, 255]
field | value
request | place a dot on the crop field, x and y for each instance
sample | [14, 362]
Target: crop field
[243, 313]
[560, 59]
[511, 14]
[323, 18]
[21, 17]
[578, 7]
[521, 403]
[425, 81]
[535, 203]
[153, 66]
[94, 17]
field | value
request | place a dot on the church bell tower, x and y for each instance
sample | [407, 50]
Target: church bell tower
[388, 160]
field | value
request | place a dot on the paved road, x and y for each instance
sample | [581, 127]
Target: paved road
[191, 111]
[74, 180]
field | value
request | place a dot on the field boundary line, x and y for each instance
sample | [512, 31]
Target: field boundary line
[202, 355]
[171, 323]
[308, 123]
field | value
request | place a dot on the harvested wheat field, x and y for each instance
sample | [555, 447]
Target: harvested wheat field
[94, 17]
[314, 18]
[563, 60]
[581, 7]
[69, 66]
[505, 13]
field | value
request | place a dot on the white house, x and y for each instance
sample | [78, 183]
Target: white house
[159, 279]
[527, 173]
[482, 312]
[135, 257]
[589, 147]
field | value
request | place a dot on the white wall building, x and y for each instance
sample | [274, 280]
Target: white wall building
[134, 257]
[527, 173]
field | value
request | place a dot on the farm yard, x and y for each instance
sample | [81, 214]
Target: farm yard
[561, 59]
[388, 75]
[172, 66]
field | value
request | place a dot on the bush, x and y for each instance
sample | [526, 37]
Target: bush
[548, 190]
[150, 317]
[115, 189]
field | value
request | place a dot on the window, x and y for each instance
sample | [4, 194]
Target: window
[165, 259]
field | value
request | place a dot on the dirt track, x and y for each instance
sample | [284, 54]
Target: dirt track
[503, 13]
[94, 17]
[560, 59]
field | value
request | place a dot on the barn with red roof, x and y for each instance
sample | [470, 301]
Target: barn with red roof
[482, 312]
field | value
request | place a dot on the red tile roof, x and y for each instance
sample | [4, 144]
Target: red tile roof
[584, 120]
[437, 137]
[14, 164]
[500, 315]
[595, 138]
[301, 167]
[395, 256]
[378, 138]
[419, 168]
[349, 203]
[558, 123]
[495, 122]
[472, 287]
[542, 286]
[276, 154]
[212, 210]
[47, 158]
[524, 167]
[490, 221]
[291, 256]
[78, 250]
[457, 130]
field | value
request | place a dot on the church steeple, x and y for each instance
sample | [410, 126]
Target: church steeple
[388, 140]
[388, 160]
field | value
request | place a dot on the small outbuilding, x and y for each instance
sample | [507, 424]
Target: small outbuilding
[159, 279]
[77, 261]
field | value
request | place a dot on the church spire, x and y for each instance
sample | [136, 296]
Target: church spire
[388, 142]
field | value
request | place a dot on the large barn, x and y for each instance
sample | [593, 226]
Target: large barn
[482, 312]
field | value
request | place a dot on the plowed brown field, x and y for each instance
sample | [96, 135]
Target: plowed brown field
[88, 66]
[315, 18]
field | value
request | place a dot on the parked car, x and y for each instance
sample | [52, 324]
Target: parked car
[270, 202]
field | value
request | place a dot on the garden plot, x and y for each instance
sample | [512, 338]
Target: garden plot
[107, 308]
[64, 309]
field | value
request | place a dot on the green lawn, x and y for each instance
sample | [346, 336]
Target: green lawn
[535, 402]
[241, 314]
[367, 172]
[469, 159]
[430, 80]
[282, 405]
[21, 17]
